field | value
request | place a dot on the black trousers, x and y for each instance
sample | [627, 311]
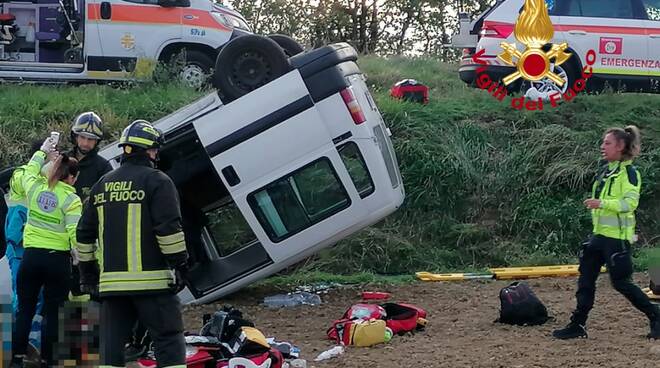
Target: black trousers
[52, 271]
[615, 253]
[160, 313]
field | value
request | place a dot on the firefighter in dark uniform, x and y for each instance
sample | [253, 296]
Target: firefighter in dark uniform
[134, 214]
[86, 135]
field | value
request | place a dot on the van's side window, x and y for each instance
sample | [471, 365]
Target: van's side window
[299, 200]
[652, 9]
[601, 8]
[229, 229]
[357, 168]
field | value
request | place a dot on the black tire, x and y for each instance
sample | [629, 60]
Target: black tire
[198, 59]
[570, 67]
[247, 63]
[288, 44]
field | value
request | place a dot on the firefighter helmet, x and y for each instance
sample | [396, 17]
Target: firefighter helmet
[141, 134]
[88, 124]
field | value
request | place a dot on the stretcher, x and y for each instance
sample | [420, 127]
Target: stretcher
[506, 273]
[536, 272]
[427, 276]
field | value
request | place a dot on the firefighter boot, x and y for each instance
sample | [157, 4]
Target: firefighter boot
[572, 331]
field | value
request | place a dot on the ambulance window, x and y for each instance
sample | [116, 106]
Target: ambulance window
[601, 8]
[229, 229]
[652, 9]
[357, 168]
[299, 200]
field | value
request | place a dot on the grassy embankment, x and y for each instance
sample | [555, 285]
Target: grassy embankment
[486, 185]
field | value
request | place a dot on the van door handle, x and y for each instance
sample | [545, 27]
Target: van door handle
[654, 35]
[231, 176]
[106, 10]
[577, 32]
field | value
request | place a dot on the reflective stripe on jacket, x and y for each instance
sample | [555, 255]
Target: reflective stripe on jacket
[53, 213]
[134, 214]
[618, 187]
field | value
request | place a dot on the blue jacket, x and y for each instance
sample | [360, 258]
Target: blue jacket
[16, 215]
[14, 224]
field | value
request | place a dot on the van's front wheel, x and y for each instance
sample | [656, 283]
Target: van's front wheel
[247, 63]
[288, 44]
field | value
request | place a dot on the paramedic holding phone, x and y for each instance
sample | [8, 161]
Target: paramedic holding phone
[53, 212]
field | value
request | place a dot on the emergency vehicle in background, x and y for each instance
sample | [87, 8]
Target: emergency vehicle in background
[278, 174]
[112, 40]
[625, 34]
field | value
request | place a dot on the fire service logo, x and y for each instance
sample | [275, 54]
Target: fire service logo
[534, 30]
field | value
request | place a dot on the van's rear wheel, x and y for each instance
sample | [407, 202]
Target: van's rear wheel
[288, 44]
[247, 63]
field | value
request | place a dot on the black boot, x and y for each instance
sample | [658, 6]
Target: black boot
[573, 330]
[16, 362]
[655, 330]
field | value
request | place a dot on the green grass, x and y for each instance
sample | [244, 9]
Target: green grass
[486, 185]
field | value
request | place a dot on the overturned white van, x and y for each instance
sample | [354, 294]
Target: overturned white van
[278, 174]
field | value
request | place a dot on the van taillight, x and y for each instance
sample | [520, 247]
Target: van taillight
[353, 105]
[496, 30]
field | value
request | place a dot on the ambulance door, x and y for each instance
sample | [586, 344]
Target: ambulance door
[92, 44]
[132, 30]
[279, 164]
[652, 9]
[611, 28]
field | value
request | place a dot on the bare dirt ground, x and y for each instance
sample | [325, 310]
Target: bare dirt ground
[461, 331]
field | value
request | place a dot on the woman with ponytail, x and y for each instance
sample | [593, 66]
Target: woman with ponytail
[50, 231]
[614, 199]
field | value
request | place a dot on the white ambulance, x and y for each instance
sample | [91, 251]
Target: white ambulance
[110, 40]
[625, 35]
[280, 173]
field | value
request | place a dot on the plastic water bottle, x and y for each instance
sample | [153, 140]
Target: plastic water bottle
[298, 363]
[290, 300]
[331, 353]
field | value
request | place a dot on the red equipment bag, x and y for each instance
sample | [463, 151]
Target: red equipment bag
[410, 90]
[356, 311]
[402, 318]
[399, 317]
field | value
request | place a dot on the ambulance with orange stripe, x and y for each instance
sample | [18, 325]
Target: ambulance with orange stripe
[81, 40]
[625, 34]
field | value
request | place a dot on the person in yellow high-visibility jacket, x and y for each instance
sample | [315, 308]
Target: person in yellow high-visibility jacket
[54, 209]
[614, 199]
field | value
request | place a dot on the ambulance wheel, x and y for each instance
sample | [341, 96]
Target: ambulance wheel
[288, 44]
[196, 70]
[247, 63]
[568, 71]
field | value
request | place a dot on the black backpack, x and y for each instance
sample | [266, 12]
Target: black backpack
[224, 323]
[520, 306]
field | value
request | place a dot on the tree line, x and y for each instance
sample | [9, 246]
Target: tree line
[383, 27]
